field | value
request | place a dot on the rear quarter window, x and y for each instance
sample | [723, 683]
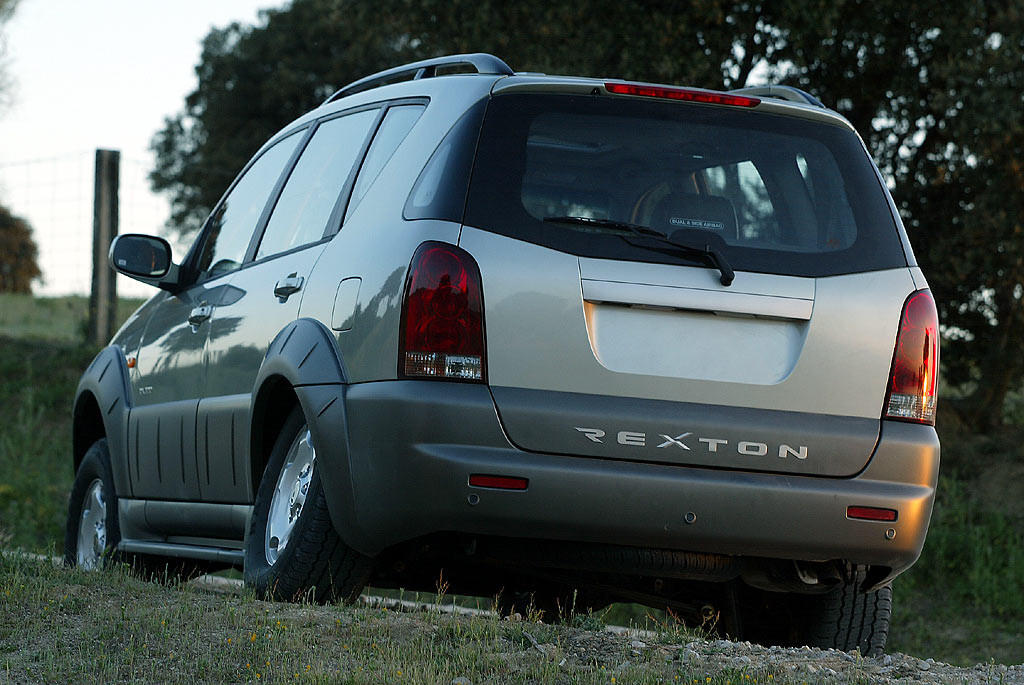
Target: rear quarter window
[776, 194]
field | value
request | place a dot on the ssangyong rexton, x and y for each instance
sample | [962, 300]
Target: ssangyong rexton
[547, 336]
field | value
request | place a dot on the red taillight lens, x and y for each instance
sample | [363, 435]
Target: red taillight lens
[915, 365]
[442, 316]
[687, 94]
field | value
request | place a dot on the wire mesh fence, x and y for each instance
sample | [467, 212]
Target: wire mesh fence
[55, 195]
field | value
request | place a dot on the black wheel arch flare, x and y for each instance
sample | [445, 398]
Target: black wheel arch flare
[303, 365]
[102, 402]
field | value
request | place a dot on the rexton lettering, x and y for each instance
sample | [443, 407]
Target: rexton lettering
[711, 445]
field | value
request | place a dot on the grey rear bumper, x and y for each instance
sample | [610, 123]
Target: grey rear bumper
[412, 446]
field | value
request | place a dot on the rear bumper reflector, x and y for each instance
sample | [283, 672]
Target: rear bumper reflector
[871, 513]
[479, 480]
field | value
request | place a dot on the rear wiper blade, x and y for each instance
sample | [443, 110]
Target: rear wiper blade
[605, 223]
[708, 253]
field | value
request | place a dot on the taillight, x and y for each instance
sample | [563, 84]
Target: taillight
[442, 332]
[686, 94]
[915, 364]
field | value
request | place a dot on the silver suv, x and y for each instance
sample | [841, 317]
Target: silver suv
[564, 340]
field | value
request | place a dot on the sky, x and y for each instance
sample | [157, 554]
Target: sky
[94, 75]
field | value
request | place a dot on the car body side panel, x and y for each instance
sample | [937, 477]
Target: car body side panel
[240, 334]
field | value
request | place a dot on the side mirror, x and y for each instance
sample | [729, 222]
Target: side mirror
[144, 258]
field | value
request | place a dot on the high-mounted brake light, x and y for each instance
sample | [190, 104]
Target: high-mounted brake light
[687, 94]
[442, 332]
[913, 382]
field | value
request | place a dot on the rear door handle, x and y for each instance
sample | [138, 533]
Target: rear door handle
[288, 286]
[198, 315]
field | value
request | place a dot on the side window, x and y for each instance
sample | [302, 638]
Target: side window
[393, 130]
[229, 229]
[313, 187]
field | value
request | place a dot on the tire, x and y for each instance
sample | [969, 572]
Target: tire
[849, 618]
[292, 551]
[846, 618]
[92, 531]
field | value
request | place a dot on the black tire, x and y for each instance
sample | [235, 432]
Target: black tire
[849, 618]
[314, 563]
[846, 618]
[93, 472]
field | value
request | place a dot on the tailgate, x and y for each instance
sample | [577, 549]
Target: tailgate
[660, 363]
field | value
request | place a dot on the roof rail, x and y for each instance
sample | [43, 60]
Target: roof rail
[482, 62]
[781, 93]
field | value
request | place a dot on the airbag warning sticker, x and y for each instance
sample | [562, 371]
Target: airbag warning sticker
[697, 223]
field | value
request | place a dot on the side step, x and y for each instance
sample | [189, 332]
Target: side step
[234, 557]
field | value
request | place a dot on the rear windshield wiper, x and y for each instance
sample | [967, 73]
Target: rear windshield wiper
[708, 253]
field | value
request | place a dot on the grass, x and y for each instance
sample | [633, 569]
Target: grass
[964, 600]
[52, 318]
[64, 625]
[962, 603]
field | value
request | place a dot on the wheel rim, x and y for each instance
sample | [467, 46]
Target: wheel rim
[290, 494]
[92, 527]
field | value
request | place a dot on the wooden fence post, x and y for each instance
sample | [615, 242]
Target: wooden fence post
[103, 298]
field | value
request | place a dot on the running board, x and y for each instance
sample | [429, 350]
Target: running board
[235, 557]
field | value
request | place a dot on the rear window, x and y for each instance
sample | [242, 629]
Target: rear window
[775, 194]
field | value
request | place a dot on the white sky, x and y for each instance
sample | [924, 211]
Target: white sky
[95, 75]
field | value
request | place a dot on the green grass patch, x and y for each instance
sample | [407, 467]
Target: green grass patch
[65, 625]
[37, 386]
[52, 318]
[964, 599]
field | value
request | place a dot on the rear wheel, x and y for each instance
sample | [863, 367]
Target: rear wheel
[292, 550]
[845, 618]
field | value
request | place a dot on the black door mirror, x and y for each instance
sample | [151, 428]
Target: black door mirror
[141, 256]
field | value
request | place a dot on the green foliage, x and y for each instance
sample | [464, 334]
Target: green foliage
[37, 384]
[963, 598]
[41, 360]
[18, 253]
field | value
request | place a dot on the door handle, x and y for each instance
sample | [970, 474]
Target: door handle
[288, 286]
[198, 315]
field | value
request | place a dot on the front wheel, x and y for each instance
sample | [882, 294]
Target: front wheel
[292, 550]
[92, 530]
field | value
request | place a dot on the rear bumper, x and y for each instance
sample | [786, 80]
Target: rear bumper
[402, 471]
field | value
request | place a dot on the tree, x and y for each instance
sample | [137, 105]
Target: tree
[18, 254]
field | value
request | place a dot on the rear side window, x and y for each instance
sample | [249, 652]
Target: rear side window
[776, 194]
[301, 213]
[397, 123]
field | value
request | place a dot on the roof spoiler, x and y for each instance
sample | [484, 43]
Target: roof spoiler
[788, 93]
